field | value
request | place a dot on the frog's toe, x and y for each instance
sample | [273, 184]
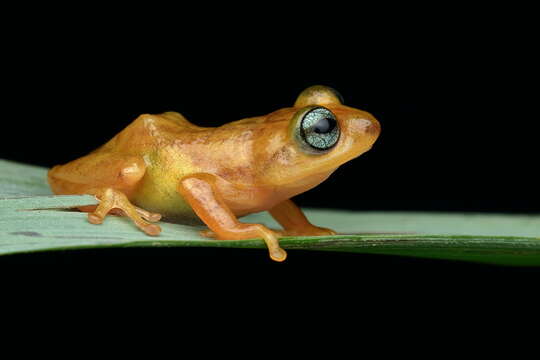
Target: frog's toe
[147, 215]
[311, 231]
[278, 254]
[208, 233]
[112, 201]
[324, 231]
[151, 229]
[95, 218]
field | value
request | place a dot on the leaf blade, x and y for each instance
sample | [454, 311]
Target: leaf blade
[31, 220]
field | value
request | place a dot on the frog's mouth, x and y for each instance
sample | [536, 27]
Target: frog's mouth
[313, 179]
[359, 154]
[304, 184]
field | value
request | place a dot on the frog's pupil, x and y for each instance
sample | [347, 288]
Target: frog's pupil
[324, 125]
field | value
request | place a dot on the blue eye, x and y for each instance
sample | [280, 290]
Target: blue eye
[319, 128]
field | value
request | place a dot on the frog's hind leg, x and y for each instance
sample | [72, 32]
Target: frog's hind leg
[111, 199]
[112, 179]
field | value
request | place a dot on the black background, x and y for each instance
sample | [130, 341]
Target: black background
[458, 126]
[455, 137]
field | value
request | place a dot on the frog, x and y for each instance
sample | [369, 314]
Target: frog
[163, 167]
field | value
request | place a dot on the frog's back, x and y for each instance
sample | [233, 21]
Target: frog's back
[124, 156]
[149, 132]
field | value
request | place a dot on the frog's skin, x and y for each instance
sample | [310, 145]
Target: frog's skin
[172, 168]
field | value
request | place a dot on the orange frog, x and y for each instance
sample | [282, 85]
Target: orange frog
[162, 165]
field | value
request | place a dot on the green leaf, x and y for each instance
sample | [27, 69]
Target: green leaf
[32, 219]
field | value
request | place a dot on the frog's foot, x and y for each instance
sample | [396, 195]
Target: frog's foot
[208, 233]
[112, 201]
[307, 231]
[251, 231]
[147, 215]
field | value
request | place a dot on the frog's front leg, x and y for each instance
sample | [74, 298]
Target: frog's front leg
[200, 192]
[295, 222]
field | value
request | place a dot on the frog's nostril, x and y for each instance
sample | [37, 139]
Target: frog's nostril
[365, 126]
[374, 128]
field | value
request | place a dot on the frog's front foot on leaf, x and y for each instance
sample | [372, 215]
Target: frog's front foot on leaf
[269, 236]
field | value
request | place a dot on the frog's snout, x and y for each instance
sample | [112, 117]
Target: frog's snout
[366, 128]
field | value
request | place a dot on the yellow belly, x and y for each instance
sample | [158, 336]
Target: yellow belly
[157, 191]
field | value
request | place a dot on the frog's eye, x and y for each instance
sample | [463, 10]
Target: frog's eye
[318, 129]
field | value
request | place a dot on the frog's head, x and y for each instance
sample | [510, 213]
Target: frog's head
[314, 137]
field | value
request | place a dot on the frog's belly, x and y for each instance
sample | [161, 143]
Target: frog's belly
[159, 194]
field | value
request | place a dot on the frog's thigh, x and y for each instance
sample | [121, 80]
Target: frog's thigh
[295, 222]
[204, 198]
[98, 170]
[109, 177]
